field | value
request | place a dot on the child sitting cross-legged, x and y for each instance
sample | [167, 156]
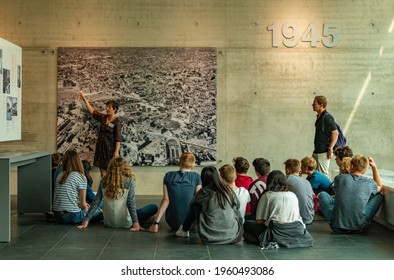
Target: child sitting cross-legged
[216, 209]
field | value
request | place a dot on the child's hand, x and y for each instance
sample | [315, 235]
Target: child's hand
[371, 162]
[136, 227]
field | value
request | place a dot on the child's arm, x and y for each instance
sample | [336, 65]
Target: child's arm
[82, 200]
[375, 174]
[162, 209]
[131, 204]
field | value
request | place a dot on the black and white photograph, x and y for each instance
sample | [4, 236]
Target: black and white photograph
[19, 76]
[6, 81]
[10, 108]
[166, 97]
[14, 106]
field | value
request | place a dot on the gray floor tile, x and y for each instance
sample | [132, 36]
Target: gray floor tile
[345, 254]
[239, 251]
[128, 253]
[292, 254]
[73, 254]
[21, 253]
[125, 238]
[186, 253]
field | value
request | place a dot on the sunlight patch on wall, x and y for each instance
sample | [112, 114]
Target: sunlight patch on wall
[358, 102]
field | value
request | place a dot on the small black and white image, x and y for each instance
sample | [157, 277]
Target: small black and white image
[19, 76]
[14, 106]
[6, 81]
[1, 61]
[166, 97]
[9, 111]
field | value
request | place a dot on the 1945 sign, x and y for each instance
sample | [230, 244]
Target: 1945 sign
[290, 35]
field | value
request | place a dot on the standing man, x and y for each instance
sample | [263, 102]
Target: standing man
[326, 134]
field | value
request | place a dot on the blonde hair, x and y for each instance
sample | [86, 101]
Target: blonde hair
[345, 165]
[294, 165]
[228, 173]
[187, 160]
[118, 168]
[359, 164]
[309, 162]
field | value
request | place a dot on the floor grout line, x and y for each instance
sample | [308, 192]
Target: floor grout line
[209, 253]
[105, 246]
[57, 243]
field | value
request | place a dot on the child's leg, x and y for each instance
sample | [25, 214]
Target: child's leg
[373, 206]
[326, 205]
[97, 216]
[146, 212]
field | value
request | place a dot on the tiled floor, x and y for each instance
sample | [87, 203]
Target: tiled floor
[34, 238]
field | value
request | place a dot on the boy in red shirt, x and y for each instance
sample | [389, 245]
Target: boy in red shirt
[243, 180]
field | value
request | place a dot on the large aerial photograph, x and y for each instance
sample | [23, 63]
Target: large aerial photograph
[166, 97]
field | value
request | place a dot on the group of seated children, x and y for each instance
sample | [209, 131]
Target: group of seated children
[226, 205]
[114, 202]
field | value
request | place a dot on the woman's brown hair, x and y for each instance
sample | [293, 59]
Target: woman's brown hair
[71, 162]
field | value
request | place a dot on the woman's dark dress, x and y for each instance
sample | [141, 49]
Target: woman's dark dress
[106, 141]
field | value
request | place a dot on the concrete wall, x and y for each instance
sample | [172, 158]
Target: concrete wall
[264, 93]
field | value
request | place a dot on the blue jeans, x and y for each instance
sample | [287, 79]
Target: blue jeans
[373, 205]
[146, 212]
[78, 217]
[327, 205]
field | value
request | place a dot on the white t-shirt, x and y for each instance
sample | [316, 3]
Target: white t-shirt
[244, 198]
[281, 207]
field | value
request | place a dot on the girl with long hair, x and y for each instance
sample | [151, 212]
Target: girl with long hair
[117, 191]
[216, 209]
[69, 199]
[278, 220]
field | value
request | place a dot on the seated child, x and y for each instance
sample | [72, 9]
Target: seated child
[319, 181]
[243, 180]
[262, 168]
[216, 209]
[228, 174]
[117, 190]
[278, 220]
[357, 198]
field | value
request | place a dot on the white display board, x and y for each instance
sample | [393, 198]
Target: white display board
[10, 91]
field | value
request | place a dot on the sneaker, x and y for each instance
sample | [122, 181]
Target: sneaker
[181, 233]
